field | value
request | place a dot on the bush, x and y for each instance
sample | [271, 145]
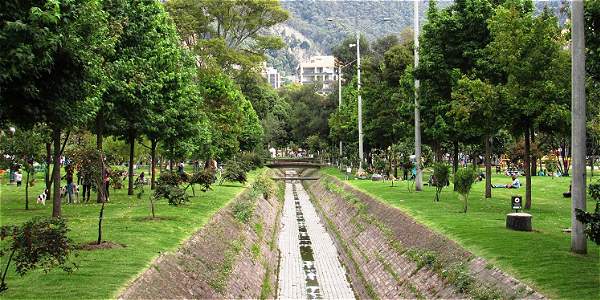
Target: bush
[441, 173]
[168, 187]
[592, 220]
[243, 209]
[252, 160]
[204, 178]
[463, 181]
[265, 185]
[40, 242]
[234, 172]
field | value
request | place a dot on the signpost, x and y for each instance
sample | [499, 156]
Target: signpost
[516, 203]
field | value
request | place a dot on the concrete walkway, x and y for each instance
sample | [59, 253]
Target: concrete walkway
[309, 266]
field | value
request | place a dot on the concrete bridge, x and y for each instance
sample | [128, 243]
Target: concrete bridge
[304, 168]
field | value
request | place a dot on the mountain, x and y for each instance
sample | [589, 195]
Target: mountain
[315, 27]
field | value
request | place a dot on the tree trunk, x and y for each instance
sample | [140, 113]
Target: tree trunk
[527, 170]
[153, 164]
[130, 175]
[455, 159]
[534, 158]
[100, 193]
[56, 174]
[152, 207]
[100, 218]
[488, 167]
[27, 192]
[47, 175]
[592, 159]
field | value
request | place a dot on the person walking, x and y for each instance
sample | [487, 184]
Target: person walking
[70, 185]
[86, 181]
[18, 178]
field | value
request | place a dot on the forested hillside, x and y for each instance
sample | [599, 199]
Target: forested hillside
[309, 32]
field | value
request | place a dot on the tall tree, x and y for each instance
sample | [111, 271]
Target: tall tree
[475, 107]
[146, 69]
[529, 50]
[50, 53]
[228, 34]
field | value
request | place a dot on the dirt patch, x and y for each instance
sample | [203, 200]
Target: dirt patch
[225, 259]
[90, 246]
[390, 255]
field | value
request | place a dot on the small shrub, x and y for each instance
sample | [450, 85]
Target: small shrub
[37, 243]
[234, 172]
[168, 187]
[203, 178]
[463, 181]
[592, 220]
[441, 173]
[242, 210]
[265, 185]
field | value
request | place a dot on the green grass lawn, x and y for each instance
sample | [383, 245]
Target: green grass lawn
[103, 273]
[540, 258]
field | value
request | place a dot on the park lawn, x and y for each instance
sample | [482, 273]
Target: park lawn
[540, 258]
[104, 273]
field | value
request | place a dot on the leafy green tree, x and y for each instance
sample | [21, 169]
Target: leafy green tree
[529, 49]
[37, 243]
[228, 111]
[441, 175]
[228, 34]
[25, 147]
[463, 180]
[309, 112]
[477, 108]
[451, 44]
[149, 67]
[50, 57]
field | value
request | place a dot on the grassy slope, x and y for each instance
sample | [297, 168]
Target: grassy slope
[540, 258]
[102, 273]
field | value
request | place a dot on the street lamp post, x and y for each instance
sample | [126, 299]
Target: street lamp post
[340, 102]
[360, 133]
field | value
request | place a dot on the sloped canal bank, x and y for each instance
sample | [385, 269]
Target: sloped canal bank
[233, 256]
[390, 255]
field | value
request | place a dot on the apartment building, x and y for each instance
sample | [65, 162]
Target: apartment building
[318, 68]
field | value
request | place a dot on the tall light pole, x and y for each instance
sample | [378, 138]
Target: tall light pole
[360, 133]
[578, 117]
[419, 175]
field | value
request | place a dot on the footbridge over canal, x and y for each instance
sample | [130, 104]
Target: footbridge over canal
[305, 169]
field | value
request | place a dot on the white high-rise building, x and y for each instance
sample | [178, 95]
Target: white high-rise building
[318, 68]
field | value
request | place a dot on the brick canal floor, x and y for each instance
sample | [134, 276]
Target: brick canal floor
[309, 266]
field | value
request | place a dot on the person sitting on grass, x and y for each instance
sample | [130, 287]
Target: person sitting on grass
[514, 185]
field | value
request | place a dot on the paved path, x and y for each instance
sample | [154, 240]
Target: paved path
[309, 266]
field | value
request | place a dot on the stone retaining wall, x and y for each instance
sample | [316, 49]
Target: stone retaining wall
[390, 255]
[225, 259]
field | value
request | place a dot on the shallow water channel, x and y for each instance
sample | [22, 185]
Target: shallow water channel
[309, 265]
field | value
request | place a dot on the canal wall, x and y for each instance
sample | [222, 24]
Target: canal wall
[390, 255]
[232, 256]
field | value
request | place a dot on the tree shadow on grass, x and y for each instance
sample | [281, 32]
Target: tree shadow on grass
[91, 246]
[155, 219]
